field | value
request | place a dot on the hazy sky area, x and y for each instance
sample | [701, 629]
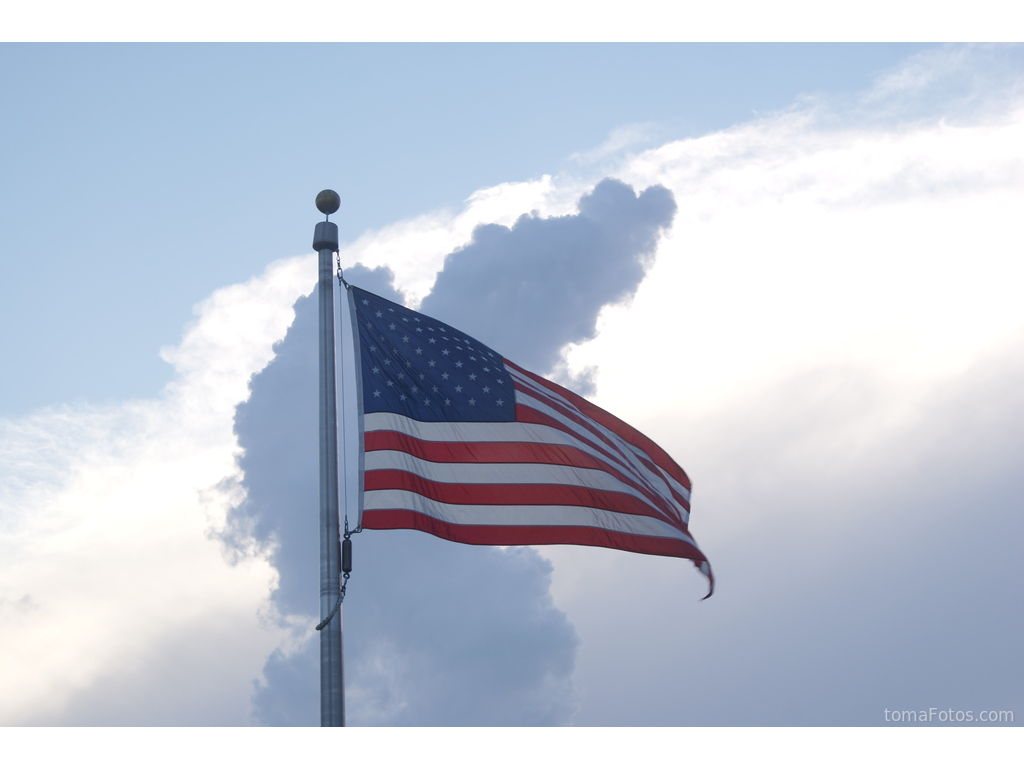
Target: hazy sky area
[803, 282]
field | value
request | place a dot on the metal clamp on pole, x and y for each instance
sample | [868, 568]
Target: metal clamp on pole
[346, 553]
[346, 571]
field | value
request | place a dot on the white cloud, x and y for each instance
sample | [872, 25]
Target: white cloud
[887, 248]
[109, 572]
[415, 249]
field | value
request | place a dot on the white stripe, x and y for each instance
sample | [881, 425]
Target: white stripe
[634, 452]
[466, 431]
[524, 515]
[473, 473]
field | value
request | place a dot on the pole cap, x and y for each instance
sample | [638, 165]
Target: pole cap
[328, 201]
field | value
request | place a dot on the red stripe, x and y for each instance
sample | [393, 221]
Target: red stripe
[506, 535]
[507, 453]
[616, 425]
[513, 494]
[483, 453]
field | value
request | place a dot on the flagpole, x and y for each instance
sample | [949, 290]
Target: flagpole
[332, 676]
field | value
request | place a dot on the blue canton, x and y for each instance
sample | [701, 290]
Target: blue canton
[428, 371]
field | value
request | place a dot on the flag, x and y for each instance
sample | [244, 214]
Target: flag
[465, 445]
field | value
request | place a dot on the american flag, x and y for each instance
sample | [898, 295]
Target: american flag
[465, 445]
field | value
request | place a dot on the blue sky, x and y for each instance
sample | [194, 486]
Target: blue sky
[827, 338]
[139, 178]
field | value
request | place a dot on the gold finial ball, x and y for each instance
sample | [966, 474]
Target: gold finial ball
[328, 202]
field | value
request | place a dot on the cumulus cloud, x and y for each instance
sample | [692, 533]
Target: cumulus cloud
[531, 289]
[415, 250]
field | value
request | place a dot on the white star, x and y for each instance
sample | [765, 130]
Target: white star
[447, 401]
[445, 376]
[500, 401]
[472, 401]
[432, 340]
[366, 302]
[401, 375]
[376, 369]
[435, 389]
[392, 326]
[458, 364]
[387, 361]
[472, 377]
[458, 388]
[486, 390]
[432, 364]
[376, 393]
[444, 351]
[415, 389]
[379, 313]
[500, 381]
[402, 397]
[391, 383]
[426, 401]
[405, 339]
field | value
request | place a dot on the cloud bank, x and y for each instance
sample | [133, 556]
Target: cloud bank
[837, 366]
[116, 606]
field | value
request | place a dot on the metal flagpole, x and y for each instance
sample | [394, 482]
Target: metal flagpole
[332, 676]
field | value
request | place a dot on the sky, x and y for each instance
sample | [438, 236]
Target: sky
[795, 267]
